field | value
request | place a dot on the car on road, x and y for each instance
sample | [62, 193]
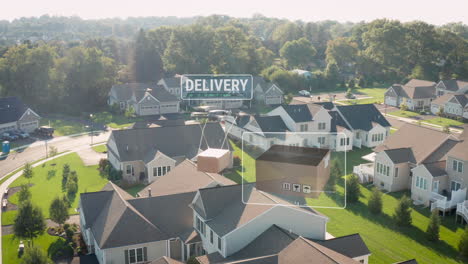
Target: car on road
[304, 93]
[9, 136]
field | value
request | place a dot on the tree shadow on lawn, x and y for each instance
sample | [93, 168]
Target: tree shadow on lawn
[416, 234]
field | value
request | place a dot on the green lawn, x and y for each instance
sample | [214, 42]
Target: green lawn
[377, 95]
[46, 188]
[10, 246]
[100, 148]
[387, 242]
[442, 121]
[248, 164]
[401, 113]
[114, 120]
[63, 127]
[135, 189]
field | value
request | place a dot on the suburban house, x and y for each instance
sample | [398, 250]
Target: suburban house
[451, 87]
[453, 105]
[144, 98]
[219, 222]
[143, 155]
[267, 93]
[322, 125]
[290, 171]
[430, 163]
[303, 73]
[416, 94]
[15, 115]
[172, 85]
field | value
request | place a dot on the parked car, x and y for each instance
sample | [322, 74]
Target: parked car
[23, 134]
[9, 136]
[304, 93]
[45, 131]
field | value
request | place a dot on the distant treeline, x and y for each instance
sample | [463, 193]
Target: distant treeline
[74, 74]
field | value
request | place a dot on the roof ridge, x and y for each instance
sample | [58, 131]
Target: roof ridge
[314, 245]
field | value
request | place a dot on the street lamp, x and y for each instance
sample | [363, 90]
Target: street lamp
[91, 126]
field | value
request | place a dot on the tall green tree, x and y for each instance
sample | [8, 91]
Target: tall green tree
[34, 255]
[147, 65]
[402, 213]
[298, 53]
[375, 202]
[28, 172]
[29, 222]
[24, 194]
[344, 52]
[433, 227]
[58, 211]
[353, 189]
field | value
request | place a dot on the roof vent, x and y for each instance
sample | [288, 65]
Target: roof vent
[127, 147]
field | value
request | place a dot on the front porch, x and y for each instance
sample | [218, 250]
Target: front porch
[462, 210]
[365, 172]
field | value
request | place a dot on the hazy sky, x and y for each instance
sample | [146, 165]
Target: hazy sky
[432, 11]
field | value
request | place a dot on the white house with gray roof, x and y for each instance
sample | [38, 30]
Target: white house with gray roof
[144, 98]
[453, 105]
[451, 87]
[145, 154]
[15, 115]
[267, 93]
[416, 94]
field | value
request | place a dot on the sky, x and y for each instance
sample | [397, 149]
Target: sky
[432, 11]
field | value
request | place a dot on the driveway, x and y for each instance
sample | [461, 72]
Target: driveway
[91, 157]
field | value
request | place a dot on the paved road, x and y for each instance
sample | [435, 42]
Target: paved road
[37, 150]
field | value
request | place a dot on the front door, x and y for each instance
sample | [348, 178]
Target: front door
[435, 187]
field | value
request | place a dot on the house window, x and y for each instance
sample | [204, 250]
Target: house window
[220, 246]
[458, 166]
[322, 125]
[455, 186]
[129, 169]
[198, 221]
[136, 255]
[435, 186]
[321, 140]
[164, 170]
[421, 183]
[304, 127]
[396, 172]
[159, 171]
[155, 171]
[211, 236]
[122, 105]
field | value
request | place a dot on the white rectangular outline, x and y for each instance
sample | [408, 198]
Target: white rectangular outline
[297, 133]
[215, 99]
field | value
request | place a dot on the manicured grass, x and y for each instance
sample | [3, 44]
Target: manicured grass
[401, 113]
[45, 188]
[248, 163]
[63, 127]
[135, 189]
[100, 148]
[393, 130]
[10, 246]
[442, 121]
[388, 242]
[114, 120]
[377, 95]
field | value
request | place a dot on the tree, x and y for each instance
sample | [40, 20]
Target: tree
[353, 189]
[332, 72]
[298, 53]
[440, 112]
[432, 230]
[33, 255]
[335, 174]
[65, 174]
[29, 222]
[463, 244]
[375, 202]
[344, 52]
[351, 84]
[28, 173]
[402, 213]
[146, 64]
[58, 211]
[24, 194]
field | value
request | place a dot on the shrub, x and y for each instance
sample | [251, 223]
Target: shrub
[52, 151]
[446, 129]
[103, 163]
[433, 227]
[353, 189]
[24, 194]
[463, 244]
[236, 161]
[375, 201]
[60, 249]
[402, 213]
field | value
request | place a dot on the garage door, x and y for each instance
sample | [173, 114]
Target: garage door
[390, 101]
[29, 126]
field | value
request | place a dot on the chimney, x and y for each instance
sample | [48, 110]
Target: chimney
[149, 192]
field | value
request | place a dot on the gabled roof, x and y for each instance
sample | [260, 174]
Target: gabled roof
[172, 82]
[228, 207]
[124, 92]
[271, 123]
[436, 169]
[11, 109]
[362, 116]
[441, 100]
[298, 113]
[185, 177]
[460, 150]
[173, 141]
[415, 89]
[326, 105]
[400, 155]
[337, 122]
[165, 260]
[462, 99]
[109, 214]
[453, 85]
[420, 83]
[422, 141]
[276, 245]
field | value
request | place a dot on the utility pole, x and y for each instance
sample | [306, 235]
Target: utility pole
[92, 127]
[46, 150]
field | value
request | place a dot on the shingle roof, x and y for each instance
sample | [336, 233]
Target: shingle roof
[362, 116]
[299, 113]
[294, 154]
[11, 109]
[337, 122]
[436, 169]
[400, 155]
[228, 207]
[416, 138]
[462, 99]
[276, 245]
[172, 82]
[453, 85]
[419, 83]
[271, 123]
[165, 260]
[109, 213]
[415, 89]
[460, 150]
[173, 141]
[442, 99]
[124, 92]
[326, 105]
[185, 177]
[351, 245]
